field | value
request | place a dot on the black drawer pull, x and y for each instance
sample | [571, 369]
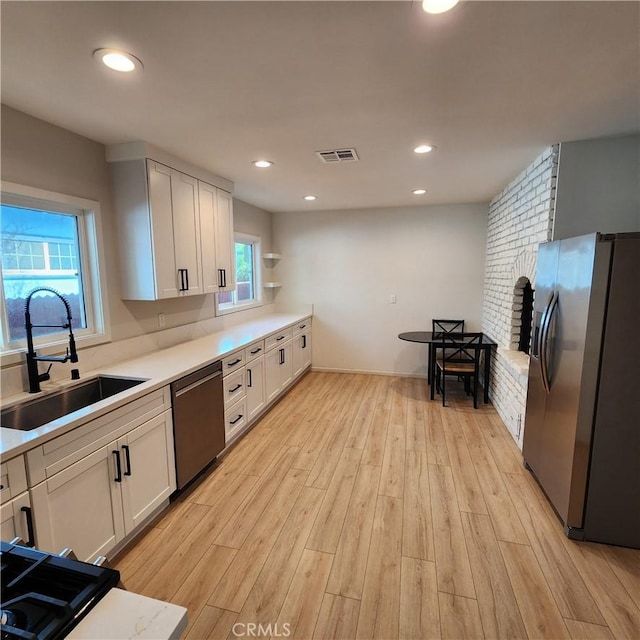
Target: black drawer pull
[250, 381]
[236, 420]
[238, 386]
[118, 477]
[281, 338]
[31, 542]
[258, 350]
[234, 363]
[302, 326]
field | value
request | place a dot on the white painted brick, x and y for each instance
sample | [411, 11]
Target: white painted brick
[520, 217]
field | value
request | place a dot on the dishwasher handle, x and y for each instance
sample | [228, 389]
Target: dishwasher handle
[196, 378]
[195, 384]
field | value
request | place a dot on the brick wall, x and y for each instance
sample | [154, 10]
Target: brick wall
[520, 217]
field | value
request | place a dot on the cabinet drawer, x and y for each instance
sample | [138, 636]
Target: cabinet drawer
[277, 339]
[235, 418]
[254, 351]
[302, 327]
[13, 478]
[233, 362]
[57, 454]
[234, 387]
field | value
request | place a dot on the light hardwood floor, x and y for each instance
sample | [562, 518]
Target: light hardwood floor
[357, 508]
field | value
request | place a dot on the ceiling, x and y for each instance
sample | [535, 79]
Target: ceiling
[224, 83]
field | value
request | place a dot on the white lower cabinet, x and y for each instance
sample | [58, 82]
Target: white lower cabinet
[278, 370]
[301, 355]
[148, 469]
[80, 507]
[95, 502]
[14, 516]
[255, 387]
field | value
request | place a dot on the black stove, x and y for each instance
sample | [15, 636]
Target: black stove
[44, 596]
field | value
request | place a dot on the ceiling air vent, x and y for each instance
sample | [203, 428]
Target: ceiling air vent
[338, 155]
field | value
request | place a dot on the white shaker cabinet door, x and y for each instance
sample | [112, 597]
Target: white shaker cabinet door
[278, 370]
[81, 507]
[148, 469]
[225, 244]
[255, 387]
[301, 353]
[216, 238]
[13, 518]
[186, 234]
[161, 212]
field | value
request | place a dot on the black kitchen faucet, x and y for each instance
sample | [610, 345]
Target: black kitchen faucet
[35, 378]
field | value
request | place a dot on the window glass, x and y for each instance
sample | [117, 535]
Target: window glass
[40, 248]
[246, 293]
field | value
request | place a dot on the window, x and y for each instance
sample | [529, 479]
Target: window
[247, 292]
[49, 240]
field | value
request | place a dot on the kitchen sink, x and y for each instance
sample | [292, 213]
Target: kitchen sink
[32, 414]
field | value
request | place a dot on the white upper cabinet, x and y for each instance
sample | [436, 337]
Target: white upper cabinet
[216, 236]
[175, 231]
[174, 218]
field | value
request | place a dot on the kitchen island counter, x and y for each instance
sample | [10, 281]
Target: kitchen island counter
[124, 615]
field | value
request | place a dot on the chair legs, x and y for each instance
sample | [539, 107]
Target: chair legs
[440, 385]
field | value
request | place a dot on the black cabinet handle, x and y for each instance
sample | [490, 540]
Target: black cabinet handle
[118, 477]
[220, 278]
[234, 363]
[281, 356]
[236, 420]
[224, 277]
[127, 460]
[281, 337]
[31, 542]
[1, 487]
[235, 388]
[250, 381]
[302, 326]
[258, 350]
[304, 342]
[184, 279]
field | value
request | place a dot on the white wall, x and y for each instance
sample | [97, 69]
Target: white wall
[349, 263]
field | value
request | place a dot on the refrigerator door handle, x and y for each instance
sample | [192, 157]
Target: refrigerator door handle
[540, 346]
[544, 347]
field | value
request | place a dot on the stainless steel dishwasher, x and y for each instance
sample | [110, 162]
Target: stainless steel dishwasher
[198, 421]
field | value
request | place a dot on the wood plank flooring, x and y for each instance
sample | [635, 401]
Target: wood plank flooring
[358, 508]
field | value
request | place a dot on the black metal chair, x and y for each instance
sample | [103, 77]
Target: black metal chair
[458, 354]
[440, 326]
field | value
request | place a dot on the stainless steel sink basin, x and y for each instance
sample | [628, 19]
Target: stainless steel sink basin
[34, 413]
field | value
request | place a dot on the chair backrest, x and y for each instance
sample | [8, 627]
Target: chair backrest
[457, 347]
[440, 326]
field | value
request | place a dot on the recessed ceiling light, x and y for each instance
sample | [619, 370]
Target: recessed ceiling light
[310, 198]
[262, 164]
[419, 192]
[118, 60]
[424, 148]
[438, 6]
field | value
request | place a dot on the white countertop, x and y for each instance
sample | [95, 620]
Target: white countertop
[124, 615]
[158, 369]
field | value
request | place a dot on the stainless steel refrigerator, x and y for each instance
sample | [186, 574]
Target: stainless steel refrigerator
[582, 425]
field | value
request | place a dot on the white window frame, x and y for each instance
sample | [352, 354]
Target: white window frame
[91, 256]
[257, 301]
